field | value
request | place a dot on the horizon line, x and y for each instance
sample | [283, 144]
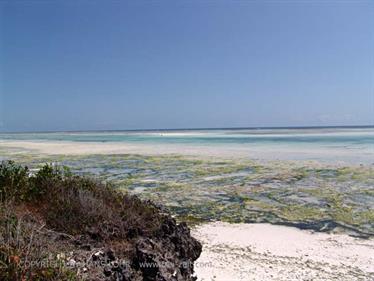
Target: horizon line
[194, 129]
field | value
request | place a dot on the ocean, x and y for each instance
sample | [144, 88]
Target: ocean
[348, 137]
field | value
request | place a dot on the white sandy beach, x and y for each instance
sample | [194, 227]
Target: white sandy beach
[334, 156]
[269, 252]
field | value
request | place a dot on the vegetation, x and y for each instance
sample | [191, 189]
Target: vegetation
[53, 202]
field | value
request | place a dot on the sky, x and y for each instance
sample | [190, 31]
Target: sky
[111, 65]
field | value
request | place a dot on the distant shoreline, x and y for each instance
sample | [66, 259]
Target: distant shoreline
[196, 129]
[330, 156]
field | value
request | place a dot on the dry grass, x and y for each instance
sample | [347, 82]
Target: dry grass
[25, 249]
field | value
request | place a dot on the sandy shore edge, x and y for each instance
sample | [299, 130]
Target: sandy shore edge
[329, 156]
[272, 252]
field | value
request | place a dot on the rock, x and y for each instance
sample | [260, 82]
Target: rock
[169, 255]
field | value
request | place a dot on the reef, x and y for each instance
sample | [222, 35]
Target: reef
[313, 195]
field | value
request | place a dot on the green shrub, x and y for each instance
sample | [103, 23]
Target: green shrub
[43, 181]
[75, 204]
[13, 181]
[18, 184]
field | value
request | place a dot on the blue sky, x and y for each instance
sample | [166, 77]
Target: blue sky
[88, 65]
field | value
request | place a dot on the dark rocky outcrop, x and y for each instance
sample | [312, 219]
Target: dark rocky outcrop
[169, 255]
[91, 230]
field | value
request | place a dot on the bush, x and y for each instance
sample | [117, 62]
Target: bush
[55, 216]
[25, 250]
[77, 205]
[18, 184]
[13, 181]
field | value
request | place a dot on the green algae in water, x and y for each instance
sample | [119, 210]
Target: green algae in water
[236, 191]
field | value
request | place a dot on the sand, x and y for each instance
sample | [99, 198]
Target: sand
[323, 155]
[270, 252]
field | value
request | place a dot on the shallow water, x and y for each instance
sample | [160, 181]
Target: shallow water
[349, 138]
[307, 194]
[319, 197]
[353, 145]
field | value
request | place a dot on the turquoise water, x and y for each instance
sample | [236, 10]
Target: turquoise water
[354, 138]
